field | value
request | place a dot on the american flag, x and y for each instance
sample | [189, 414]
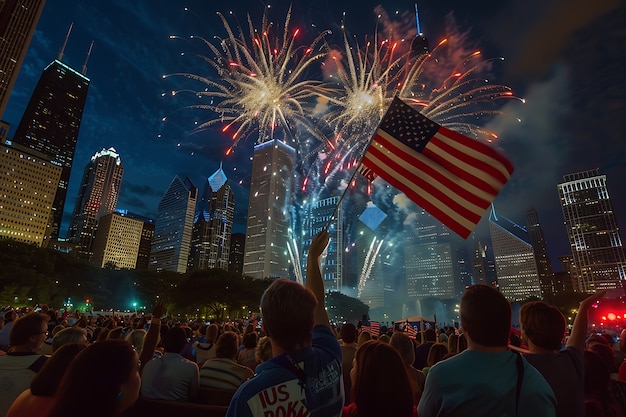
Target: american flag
[373, 328]
[410, 331]
[451, 176]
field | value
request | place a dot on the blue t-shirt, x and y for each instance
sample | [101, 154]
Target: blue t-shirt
[275, 390]
[474, 383]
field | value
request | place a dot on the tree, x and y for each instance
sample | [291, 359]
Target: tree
[342, 308]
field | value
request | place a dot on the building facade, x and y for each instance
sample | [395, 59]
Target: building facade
[213, 225]
[316, 215]
[18, 20]
[237, 250]
[51, 122]
[97, 196]
[516, 267]
[29, 182]
[117, 241]
[592, 230]
[544, 266]
[269, 211]
[174, 224]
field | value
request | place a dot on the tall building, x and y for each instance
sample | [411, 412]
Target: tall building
[18, 20]
[29, 181]
[316, 216]
[147, 234]
[237, 250]
[544, 267]
[213, 224]
[269, 211]
[51, 122]
[117, 241]
[484, 268]
[572, 283]
[516, 268]
[592, 230]
[97, 196]
[431, 264]
[174, 224]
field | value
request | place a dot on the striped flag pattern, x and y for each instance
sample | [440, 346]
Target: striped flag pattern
[451, 176]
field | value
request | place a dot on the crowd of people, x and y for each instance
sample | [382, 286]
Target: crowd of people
[297, 363]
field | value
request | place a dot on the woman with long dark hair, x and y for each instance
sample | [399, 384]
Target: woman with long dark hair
[380, 385]
[102, 381]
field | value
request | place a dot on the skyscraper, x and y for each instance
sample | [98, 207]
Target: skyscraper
[544, 267]
[97, 196]
[316, 216]
[213, 224]
[174, 224]
[27, 185]
[237, 250]
[18, 20]
[516, 268]
[592, 230]
[51, 122]
[117, 241]
[269, 211]
[147, 234]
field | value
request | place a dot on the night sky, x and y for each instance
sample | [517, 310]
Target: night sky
[565, 58]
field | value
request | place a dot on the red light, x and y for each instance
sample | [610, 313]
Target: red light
[603, 318]
[611, 316]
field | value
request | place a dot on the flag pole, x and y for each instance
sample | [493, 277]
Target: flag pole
[332, 216]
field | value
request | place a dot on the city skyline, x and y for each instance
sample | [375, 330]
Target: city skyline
[544, 150]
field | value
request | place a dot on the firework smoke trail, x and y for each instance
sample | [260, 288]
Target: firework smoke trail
[295, 260]
[260, 83]
[370, 260]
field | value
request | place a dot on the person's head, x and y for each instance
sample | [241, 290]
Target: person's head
[69, 335]
[211, 333]
[227, 345]
[263, 351]
[9, 316]
[46, 382]
[116, 333]
[250, 340]
[430, 335]
[453, 341]
[607, 353]
[364, 336]
[405, 347]
[103, 380]
[384, 338]
[29, 332]
[288, 314]
[175, 340]
[348, 333]
[461, 344]
[375, 362]
[622, 341]
[436, 353]
[136, 338]
[542, 324]
[485, 316]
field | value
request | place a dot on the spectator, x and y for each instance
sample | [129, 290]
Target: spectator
[421, 351]
[306, 368]
[20, 365]
[247, 355]
[376, 361]
[263, 351]
[436, 353]
[136, 339]
[487, 379]
[102, 381]
[206, 350]
[170, 376]
[617, 389]
[38, 399]
[543, 331]
[364, 336]
[69, 335]
[405, 347]
[348, 349]
[7, 323]
[453, 342]
[598, 402]
[223, 371]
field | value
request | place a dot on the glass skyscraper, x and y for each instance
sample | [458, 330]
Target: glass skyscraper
[593, 232]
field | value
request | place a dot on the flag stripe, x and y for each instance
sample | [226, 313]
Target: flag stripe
[457, 223]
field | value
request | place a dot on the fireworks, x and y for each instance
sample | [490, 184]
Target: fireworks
[260, 83]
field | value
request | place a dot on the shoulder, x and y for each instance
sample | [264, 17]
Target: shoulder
[324, 338]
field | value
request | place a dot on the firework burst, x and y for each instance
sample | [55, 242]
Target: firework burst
[261, 82]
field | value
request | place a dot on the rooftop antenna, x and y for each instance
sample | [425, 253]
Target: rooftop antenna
[417, 20]
[60, 57]
[84, 72]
